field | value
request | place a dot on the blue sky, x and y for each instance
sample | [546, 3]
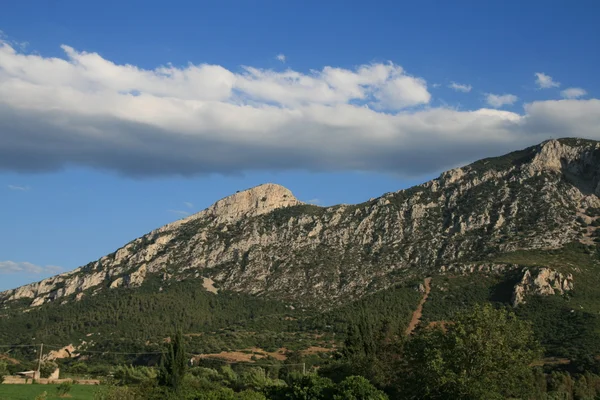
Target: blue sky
[118, 117]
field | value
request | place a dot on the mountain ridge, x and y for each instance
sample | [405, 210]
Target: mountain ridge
[263, 241]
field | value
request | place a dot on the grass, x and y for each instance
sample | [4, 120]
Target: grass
[30, 392]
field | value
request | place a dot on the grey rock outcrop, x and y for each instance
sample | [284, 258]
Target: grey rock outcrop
[542, 282]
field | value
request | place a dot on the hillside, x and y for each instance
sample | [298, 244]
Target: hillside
[503, 229]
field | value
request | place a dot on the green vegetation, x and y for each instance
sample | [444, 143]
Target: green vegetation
[173, 364]
[3, 370]
[30, 392]
[482, 354]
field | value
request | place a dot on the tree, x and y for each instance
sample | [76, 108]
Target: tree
[483, 354]
[47, 368]
[358, 388]
[372, 349]
[304, 387]
[173, 363]
[3, 370]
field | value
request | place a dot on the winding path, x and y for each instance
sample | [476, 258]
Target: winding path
[416, 317]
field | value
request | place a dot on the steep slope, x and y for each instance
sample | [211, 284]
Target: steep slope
[263, 241]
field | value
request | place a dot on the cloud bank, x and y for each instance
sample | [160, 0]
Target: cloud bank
[8, 267]
[86, 110]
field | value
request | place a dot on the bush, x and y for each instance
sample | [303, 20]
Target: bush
[79, 368]
[303, 387]
[358, 388]
[64, 389]
[47, 368]
[128, 375]
[42, 396]
[3, 370]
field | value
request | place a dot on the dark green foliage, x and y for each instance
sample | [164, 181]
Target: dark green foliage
[64, 389]
[142, 314]
[47, 368]
[562, 330]
[173, 364]
[451, 294]
[358, 388]
[3, 370]
[515, 158]
[130, 375]
[307, 387]
[483, 354]
[394, 306]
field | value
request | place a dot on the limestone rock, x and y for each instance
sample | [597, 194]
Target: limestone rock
[543, 282]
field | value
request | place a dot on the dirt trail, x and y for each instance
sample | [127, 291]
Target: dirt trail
[416, 317]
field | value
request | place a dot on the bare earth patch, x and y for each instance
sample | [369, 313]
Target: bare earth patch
[416, 317]
[258, 353]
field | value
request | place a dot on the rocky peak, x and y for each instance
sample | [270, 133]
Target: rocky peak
[553, 155]
[251, 202]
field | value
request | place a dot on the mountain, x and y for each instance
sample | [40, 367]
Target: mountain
[524, 224]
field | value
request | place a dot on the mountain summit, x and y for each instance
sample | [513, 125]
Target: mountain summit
[263, 241]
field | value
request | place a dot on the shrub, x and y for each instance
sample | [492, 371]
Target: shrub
[47, 368]
[358, 388]
[64, 389]
[3, 371]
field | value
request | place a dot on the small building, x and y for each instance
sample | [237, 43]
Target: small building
[29, 374]
[36, 375]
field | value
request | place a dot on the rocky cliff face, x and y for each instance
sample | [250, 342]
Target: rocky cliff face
[543, 282]
[264, 241]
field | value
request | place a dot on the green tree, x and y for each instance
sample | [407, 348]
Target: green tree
[358, 388]
[47, 368]
[3, 370]
[484, 354]
[304, 387]
[372, 349]
[127, 375]
[173, 363]
[79, 368]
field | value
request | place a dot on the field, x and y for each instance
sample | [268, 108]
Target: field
[30, 392]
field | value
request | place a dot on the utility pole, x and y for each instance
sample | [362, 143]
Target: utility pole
[39, 374]
[303, 368]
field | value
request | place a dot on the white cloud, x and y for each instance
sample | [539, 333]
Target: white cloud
[7, 267]
[460, 87]
[497, 100]
[88, 111]
[314, 201]
[436, 85]
[188, 204]
[19, 187]
[573, 93]
[179, 212]
[544, 81]
[280, 57]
